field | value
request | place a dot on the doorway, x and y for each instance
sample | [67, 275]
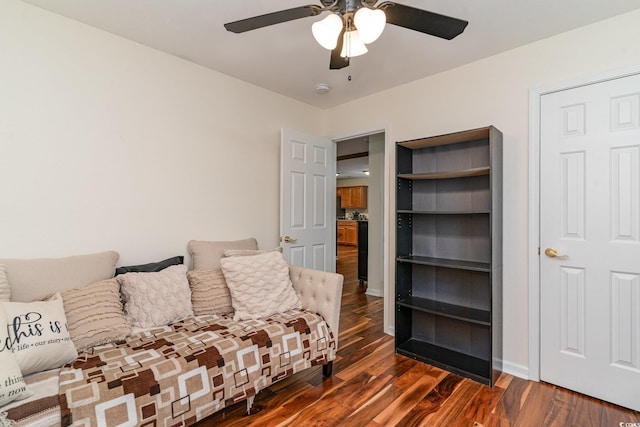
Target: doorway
[360, 187]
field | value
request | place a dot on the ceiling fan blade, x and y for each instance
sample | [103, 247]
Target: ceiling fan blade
[423, 21]
[272, 18]
[337, 61]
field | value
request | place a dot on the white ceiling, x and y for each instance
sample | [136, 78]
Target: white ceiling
[352, 168]
[286, 59]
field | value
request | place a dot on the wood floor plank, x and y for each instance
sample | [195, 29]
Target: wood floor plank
[372, 361]
[433, 401]
[614, 415]
[535, 410]
[494, 420]
[372, 386]
[483, 403]
[366, 412]
[409, 397]
[452, 409]
[432, 409]
[508, 408]
[574, 408]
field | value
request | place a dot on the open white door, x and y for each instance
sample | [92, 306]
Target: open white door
[590, 240]
[307, 200]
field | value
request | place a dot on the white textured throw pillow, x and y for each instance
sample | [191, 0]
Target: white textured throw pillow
[259, 285]
[156, 299]
[12, 386]
[39, 334]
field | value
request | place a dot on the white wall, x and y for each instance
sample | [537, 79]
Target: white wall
[107, 144]
[375, 272]
[352, 182]
[494, 91]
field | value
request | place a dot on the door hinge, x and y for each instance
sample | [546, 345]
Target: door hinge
[538, 250]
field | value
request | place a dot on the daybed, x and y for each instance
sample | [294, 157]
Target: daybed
[121, 370]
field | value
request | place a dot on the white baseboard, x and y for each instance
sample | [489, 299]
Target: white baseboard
[516, 370]
[373, 292]
[390, 330]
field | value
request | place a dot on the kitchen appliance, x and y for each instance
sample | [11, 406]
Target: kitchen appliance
[340, 212]
[363, 252]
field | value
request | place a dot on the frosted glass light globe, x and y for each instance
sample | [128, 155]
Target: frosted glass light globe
[370, 23]
[352, 46]
[327, 30]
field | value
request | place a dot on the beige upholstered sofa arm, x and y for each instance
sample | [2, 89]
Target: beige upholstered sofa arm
[319, 291]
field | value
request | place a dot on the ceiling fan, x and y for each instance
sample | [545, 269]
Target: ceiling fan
[354, 23]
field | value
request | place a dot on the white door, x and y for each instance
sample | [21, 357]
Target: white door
[590, 216]
[307, 200]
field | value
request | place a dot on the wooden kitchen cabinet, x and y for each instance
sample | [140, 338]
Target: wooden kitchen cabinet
[345, 196]
[358, 197]
[351, 234]
[353, 197]
[347, 233]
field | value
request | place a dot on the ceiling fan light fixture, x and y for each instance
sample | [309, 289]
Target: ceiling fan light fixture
[352, 45]
[345, 16]
[327, 30]
[370, 23]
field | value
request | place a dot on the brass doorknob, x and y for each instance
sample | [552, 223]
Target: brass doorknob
[553, 253]
[288, 239]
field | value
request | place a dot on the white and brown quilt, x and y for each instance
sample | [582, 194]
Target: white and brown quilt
[181, 373]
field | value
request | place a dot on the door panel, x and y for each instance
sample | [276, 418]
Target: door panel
[590, 215]
[625, 300]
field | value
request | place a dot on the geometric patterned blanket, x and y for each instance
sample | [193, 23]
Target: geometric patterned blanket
[186, 371]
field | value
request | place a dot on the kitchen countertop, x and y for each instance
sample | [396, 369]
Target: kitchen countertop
[351, 220]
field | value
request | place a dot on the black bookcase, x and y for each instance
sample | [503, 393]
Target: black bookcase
[449, 252]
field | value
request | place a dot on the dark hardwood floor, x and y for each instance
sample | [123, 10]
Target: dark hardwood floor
[372, 386]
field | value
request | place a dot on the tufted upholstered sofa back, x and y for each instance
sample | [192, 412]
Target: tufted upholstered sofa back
[321, 292]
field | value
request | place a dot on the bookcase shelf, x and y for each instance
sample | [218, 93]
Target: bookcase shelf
[468, 314]
[449, 252]
[448, 263]
[447, 175]
[454, 361]
[476, 212]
